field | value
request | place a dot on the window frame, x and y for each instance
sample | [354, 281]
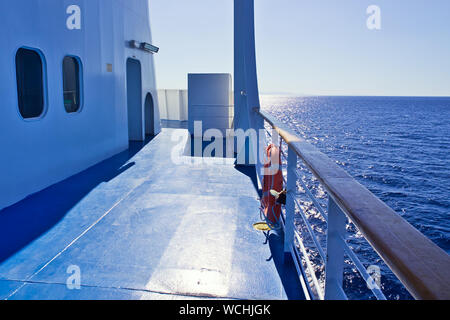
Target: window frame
[80, 83]
[41, 55]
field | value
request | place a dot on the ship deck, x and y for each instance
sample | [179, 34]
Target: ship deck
[140, 227]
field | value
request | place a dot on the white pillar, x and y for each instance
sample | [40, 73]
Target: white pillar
[334, 269]
[246, 93]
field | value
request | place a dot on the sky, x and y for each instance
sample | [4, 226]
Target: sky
[311, 47]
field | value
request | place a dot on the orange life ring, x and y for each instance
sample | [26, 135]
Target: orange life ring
[273, 180]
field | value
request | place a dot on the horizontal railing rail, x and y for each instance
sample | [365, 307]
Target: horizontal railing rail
[421, 266]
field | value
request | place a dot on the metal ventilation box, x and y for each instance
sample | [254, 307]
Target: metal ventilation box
[210, 101]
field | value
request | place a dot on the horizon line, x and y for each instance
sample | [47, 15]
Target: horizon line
[298, 95]
[352, 95]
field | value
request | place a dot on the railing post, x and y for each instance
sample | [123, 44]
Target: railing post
[335, 252]
[290, 204]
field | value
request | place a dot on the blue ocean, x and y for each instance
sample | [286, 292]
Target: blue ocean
[398, 147]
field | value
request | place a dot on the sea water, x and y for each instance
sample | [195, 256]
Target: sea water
[397, 147]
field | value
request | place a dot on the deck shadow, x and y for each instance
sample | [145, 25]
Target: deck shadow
[174, 124]
[286, 268]
[250, 172]
[27, 220]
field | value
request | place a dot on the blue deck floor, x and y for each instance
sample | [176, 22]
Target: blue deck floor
[140, 227]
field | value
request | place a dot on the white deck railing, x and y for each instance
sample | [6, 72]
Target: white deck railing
[418, 263]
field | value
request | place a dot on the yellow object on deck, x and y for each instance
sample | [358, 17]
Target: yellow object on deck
[261, 226]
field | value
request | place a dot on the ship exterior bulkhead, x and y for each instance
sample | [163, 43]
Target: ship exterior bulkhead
[77, 83]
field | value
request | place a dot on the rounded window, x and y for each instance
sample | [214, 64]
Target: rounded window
[30, 83]
[71, 84]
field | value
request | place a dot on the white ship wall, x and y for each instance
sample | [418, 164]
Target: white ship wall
[36, 153]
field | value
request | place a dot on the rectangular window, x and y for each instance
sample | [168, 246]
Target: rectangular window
[71, 84]
[30, 83]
